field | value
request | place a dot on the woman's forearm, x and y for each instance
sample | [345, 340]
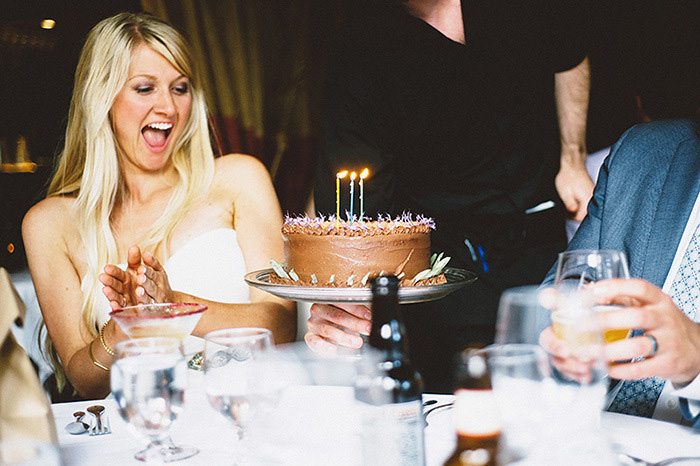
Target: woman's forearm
[280, 318]
[89, 373]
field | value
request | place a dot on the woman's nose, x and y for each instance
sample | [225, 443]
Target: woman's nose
[165, 103]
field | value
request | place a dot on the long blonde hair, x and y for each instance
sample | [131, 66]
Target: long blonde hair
[89, 167]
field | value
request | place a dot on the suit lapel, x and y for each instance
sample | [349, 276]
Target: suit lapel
[675, 204]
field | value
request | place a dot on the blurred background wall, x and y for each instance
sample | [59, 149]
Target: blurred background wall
[264, 63]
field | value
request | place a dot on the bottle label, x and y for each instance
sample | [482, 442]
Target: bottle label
[476, 413]
[393, 433]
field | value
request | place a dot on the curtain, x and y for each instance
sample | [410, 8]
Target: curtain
[262, 65]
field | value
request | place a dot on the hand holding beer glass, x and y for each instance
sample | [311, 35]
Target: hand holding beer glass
[578, 268]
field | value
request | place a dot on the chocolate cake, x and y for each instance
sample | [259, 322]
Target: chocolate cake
[337, 253]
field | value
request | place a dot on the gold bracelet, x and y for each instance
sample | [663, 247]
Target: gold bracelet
[94, 361]
[102, 339]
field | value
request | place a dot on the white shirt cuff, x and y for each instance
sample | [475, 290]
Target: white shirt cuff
[691, 392]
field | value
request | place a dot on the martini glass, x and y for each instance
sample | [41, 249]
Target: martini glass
[175, 320]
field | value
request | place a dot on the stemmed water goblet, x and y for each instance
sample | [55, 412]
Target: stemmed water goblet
[240, 379]
[148, 380]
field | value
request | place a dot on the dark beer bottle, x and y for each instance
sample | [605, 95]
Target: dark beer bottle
[392, 410]
[476, 415]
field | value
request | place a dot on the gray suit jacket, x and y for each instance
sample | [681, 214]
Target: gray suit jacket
[645, 192]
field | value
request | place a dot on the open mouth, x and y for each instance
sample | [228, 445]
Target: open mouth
[156, 135]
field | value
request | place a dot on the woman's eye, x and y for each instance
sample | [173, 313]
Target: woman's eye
[143, 89]
[182, 88]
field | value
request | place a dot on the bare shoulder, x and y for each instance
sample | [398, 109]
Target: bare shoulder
[52, 215]
[240, 165]
[240, 172]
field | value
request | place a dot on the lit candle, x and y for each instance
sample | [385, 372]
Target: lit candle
[363, 175]
[338, 177]
[353, 175]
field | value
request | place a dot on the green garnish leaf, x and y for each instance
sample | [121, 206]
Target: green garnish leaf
[279, 270]
[364, 279]
[434, 270]
[422, 275]
[441, 265]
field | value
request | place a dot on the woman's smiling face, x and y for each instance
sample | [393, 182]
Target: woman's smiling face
[150, 111]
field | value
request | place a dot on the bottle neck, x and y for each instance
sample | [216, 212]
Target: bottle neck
[388, 333]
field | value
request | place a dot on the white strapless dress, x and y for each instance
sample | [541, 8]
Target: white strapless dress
[209, 266]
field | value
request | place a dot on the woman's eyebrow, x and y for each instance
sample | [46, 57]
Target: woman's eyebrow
[153, 77]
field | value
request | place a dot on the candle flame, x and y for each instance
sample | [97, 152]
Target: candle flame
[342, 174]
[364, 174]
[353, 175]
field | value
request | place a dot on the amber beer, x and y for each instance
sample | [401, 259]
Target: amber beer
[565, 329]
[475, 450]
[477, 418]
[614, 334]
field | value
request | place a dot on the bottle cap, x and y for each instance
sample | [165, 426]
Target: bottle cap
[384, 284]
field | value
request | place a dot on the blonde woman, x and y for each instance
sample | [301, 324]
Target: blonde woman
[138, 185]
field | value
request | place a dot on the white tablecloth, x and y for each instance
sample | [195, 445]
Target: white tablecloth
[316, 425]
[313, 425]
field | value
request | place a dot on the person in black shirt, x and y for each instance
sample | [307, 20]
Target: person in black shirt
[453, 107]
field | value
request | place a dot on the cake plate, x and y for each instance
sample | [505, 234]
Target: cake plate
[456, 279]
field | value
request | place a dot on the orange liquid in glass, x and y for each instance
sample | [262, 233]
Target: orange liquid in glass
[614, 334]
[563, 327]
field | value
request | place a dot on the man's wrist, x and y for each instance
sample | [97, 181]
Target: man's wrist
[574, 154]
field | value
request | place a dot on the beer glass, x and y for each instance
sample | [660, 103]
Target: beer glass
[577, 268]
[583, 266]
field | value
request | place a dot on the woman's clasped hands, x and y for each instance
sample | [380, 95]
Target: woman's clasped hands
[144, 281]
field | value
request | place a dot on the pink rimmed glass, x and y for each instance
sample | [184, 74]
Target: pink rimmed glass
[175, 320]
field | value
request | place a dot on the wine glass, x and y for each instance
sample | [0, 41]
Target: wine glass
[518, 371]
[518, 367]
[577, 268]
[240, 379]
[524, 312]
[541, 402]
[148, 379]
